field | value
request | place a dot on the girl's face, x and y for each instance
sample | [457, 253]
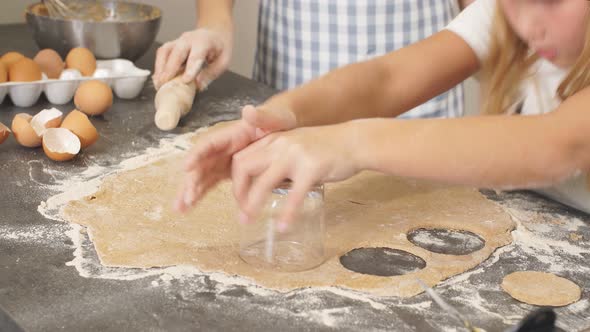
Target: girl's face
[554, 29]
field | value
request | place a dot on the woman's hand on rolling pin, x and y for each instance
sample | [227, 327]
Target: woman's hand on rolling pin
[205, 53]
[307, 156]
[210, 159]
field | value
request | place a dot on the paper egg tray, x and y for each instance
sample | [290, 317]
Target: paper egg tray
[121, 75]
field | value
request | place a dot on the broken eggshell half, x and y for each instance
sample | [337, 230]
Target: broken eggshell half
[60, 144]
[4, 132]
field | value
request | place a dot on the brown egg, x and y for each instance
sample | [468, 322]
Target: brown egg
[23, 132]
[82, 59]
[10, 58]
[3, 72]
[50, 62]
[4, 132]
[60, 144]
[78, 123]
[24, 70]
[93, 97]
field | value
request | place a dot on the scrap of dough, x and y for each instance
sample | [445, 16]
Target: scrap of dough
[368, 210]
[541, 288]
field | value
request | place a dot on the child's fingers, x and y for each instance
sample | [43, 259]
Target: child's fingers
[269, 119]
[242, 173]
[263, 186]
[296, 197]
[253, 150]
[220, 141]
[179, 202]
[204, 149]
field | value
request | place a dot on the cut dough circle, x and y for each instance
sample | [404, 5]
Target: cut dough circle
[541, 288]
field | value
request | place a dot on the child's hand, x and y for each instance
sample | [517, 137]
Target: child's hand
[210, 159]
[307, 156]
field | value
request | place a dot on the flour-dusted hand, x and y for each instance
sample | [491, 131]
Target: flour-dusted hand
[306, 156]
[205, 54]
[210, 159]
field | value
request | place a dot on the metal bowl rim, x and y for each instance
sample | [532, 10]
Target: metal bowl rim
[29, 12]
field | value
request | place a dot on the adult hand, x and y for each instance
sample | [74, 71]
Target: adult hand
[205, 54]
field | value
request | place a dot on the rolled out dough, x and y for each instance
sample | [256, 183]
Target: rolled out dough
[131, 224]
[541, 288]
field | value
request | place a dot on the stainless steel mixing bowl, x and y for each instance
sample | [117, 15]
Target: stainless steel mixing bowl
[123, 30]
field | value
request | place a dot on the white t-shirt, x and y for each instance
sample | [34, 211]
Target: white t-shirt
[538, 93]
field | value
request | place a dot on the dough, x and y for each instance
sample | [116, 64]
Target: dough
[131, 223]
[541, 288]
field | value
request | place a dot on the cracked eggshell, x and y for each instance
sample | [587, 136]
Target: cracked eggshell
[79, 124]
[23, 132]
[60, 144]
[47, 118]
[4, 132]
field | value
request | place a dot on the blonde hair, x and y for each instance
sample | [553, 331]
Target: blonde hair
[508, 65]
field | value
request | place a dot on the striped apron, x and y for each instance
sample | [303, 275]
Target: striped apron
[299, 40]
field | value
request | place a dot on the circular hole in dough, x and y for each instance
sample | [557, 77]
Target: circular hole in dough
[383, 262]
[446, 241]
[541, 288]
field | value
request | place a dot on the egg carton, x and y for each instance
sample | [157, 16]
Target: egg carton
[124, 78]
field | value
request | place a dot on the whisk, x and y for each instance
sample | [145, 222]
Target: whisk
[58, 9]
[93, 10]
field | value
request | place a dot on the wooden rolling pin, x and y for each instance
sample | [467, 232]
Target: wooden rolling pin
[173, 100]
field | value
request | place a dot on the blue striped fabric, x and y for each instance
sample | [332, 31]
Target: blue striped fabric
[299, 40]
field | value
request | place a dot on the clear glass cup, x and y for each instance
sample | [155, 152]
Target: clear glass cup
[300, 247]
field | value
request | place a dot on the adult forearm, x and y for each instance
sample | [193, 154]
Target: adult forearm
[214, 13]
[493, 152]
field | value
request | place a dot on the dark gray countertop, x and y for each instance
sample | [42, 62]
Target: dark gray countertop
[42, 293]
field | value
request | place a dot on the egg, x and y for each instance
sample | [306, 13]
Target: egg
[50, 62]
[79, 124]
[24, 70]
[4, 132]
[60, 144]
[3, 72]
[82, 59]
[23, 132]
[10, 58]
[93, 97]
